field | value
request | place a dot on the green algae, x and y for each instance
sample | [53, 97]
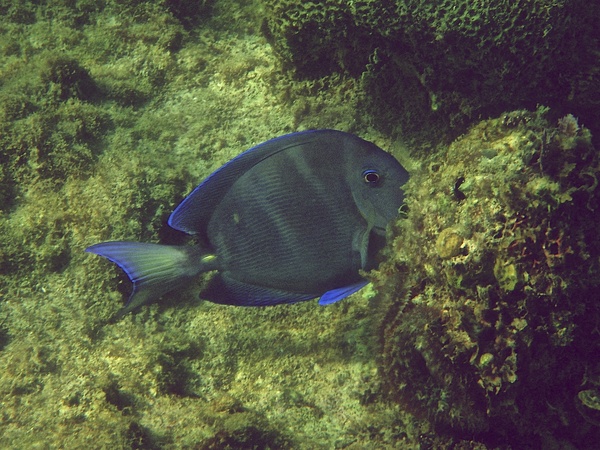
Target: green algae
[445, 62]
[110, 113]
[482, 338]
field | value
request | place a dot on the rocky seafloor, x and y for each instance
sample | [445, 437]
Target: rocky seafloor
[480, 327]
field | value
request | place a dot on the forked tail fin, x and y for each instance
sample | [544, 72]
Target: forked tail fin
[153, 269]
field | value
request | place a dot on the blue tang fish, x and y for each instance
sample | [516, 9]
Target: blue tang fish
[292, 219]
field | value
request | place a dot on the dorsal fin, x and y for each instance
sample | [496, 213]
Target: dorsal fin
[194, 212]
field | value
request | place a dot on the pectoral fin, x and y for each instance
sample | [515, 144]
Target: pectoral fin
[336, 295]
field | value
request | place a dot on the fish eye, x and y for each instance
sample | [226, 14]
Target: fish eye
[371, 177]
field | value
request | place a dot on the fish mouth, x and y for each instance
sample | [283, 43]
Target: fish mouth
[379, 230]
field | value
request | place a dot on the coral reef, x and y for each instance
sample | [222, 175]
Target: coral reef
[493, 297]
[449, 61]
[112, 111]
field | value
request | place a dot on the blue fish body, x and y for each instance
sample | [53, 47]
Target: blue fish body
[292, 219]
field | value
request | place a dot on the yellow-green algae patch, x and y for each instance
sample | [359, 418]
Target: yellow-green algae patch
[498, 342]
[449, 243]
[110, 113]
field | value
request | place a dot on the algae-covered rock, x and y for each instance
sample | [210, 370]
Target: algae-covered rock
[111, 112]
[447, 60]
[496, 342]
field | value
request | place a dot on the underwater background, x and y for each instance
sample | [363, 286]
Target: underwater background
[481, 327]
